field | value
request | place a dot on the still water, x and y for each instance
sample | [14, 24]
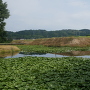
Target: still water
[84, 54]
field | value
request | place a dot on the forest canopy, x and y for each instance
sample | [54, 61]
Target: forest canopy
[35, 34]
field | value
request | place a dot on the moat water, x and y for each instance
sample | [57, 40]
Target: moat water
[84, 54]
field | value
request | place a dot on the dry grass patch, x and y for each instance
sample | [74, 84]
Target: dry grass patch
[22, 41]
[63, 41]
[8, 48]
[60, 41]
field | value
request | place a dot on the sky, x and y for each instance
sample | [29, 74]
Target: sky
[48, 14]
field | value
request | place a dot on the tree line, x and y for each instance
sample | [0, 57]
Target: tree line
[35, 34]
[6, 36]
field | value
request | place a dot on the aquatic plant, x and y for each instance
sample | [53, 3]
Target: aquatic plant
[39, 73]
[45, 49]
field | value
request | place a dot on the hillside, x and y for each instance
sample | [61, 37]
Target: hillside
[36, 34]
[61, 41]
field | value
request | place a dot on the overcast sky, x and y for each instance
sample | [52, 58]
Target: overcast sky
[48, 14]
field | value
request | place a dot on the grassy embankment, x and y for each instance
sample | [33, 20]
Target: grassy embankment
[8, 48]
[62, 41]
[57, 45]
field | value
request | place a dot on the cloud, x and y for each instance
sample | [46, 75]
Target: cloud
[47, 14]
[78, 3]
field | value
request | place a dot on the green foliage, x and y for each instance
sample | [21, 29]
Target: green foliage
[39, 73]
[34, 34]
[4, 14]
[45, 49]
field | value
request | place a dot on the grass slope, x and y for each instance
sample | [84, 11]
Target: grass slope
[8, 48]
[62, 41]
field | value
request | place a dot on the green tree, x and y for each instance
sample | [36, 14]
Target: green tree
[4, 14]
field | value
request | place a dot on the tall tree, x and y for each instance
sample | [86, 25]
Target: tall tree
[4, 14]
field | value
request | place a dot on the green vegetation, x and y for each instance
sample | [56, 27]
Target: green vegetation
[4, 14]
[45, 49]
[39, 73]
[35, 34]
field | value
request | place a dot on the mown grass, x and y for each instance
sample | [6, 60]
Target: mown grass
[39, 73]
[45, 49]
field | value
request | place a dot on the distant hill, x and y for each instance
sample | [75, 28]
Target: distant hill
[35, 34]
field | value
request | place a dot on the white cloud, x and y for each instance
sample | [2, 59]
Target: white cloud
[47, 14]
[78, 3]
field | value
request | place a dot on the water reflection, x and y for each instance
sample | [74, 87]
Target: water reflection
[31, 53]
[75, 53]
[10, 54]
[85, 54]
